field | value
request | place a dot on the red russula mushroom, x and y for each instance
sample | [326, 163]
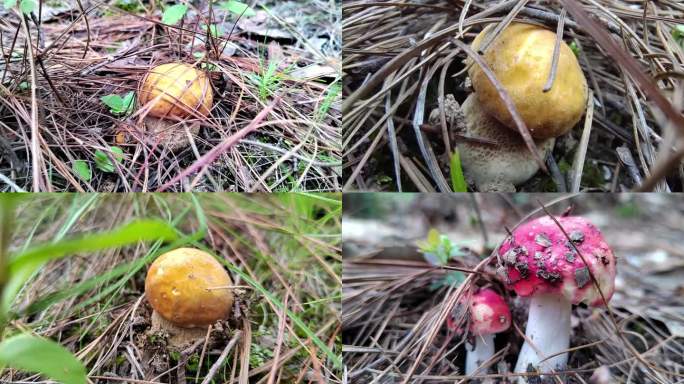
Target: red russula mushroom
[489, 314]
[540, 261]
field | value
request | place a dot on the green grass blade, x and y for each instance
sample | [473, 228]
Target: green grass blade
[22, 266]
[68, 291]
[33, 354]
[78, 208]
[337, 360]
[458, 182]
[131, 233]
[323, 197]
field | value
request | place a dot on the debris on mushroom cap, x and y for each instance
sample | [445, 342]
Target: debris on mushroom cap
[489, 313]
[189, 288]
[176, 90]
[539, 258]
[520, 58]
[508, 163]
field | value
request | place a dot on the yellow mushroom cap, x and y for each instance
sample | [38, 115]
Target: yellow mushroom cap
[176, 89]
[187, 287]
[520, 58]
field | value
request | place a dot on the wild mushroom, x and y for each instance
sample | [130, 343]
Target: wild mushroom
[495, 167]
[489, 315]
[538, 260]
[520, 58]
[176, 90]
[171, 93]
[188, 290]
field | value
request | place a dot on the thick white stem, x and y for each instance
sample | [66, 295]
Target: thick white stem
[479, 353]
[548, 332]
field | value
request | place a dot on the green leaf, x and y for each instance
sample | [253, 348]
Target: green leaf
[118, 154]
[452, 278]
[678, 34]
[237, 8]
[208, 67]
[118, 105]
[114, 102]
[9, 4]
[174, 14]
[431, 243]
[24, 85]
[27, 6]
[23, 265]
[458, 182]
[103, 162]
[127, 103]
[33, 354]
[438, 249]
[574, 48]
[82, 170]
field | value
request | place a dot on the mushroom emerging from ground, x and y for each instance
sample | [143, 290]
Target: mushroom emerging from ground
[538, 260]
[489, 314]
[176, 90]
[495, 167]
[520, 58]
[173, 93]
[188, 290]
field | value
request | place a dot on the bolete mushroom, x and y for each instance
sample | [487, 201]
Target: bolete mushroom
[176, 90]
[520, 58]
[188, 290]
[540, 261]
[489, 315]
[497, 167]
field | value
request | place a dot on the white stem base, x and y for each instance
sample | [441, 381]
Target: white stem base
[477, 354]
[548, 329]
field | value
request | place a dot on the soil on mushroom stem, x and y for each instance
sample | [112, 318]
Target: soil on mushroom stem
[394, 295]
[289, 53]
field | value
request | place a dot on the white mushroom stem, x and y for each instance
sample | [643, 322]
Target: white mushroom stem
[547, 332]
[478, 354]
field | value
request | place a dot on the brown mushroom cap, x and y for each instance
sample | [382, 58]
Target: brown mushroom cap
[187, 287]
[176, 90]
[520, 58]
[494, 168]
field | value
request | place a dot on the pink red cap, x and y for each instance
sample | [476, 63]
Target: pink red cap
[489, 313]
[539, 258]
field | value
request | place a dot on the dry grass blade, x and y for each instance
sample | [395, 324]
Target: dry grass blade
[580, 155]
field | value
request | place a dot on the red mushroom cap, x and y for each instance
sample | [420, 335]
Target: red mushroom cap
[489, 313]
[538, 258]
